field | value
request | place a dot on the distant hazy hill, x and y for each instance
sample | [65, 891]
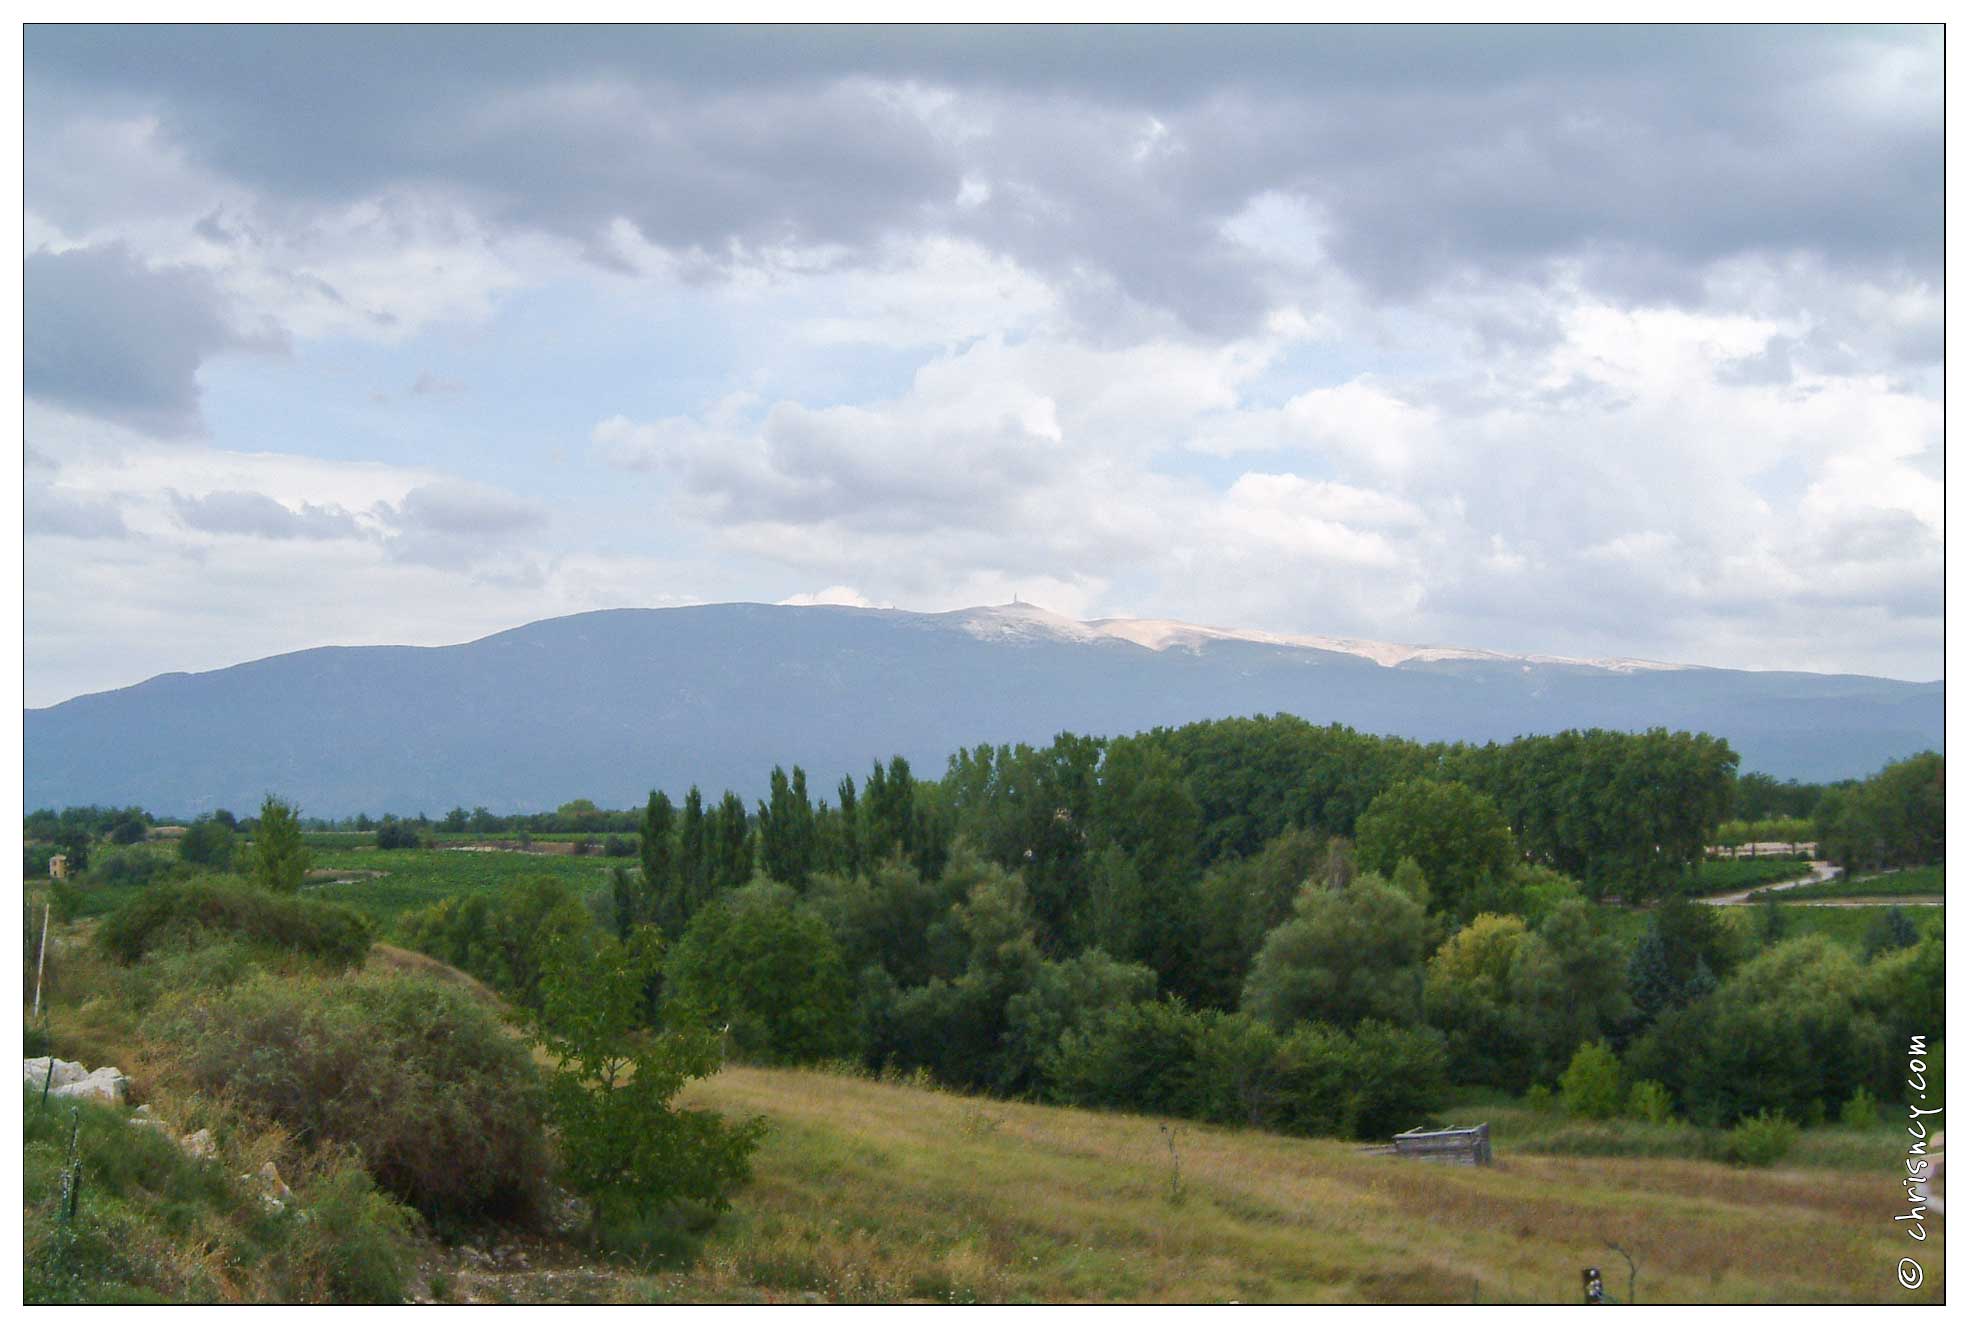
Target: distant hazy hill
[609, 705]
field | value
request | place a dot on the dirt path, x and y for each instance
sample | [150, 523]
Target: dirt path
[1821, 872]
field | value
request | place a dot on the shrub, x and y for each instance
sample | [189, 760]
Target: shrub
[181, 913]
[617, 846]
[1538, 1099]
[1761, 1140]
[1650, 1101]
[356, 1237]
[394, 834]
[130, 867]
[1861, 1112]
[442, 1104]
[1590, 1086]
[208, 843]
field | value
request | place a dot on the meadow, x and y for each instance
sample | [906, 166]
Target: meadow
[871, 1191]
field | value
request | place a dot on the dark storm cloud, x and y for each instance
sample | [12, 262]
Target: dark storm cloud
[231, 512]
[107, 336]
[1429, 154]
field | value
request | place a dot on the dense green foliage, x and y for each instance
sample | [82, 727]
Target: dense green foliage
[279, 860]
[622, 1142]
[443, 1104]
[1895, 818]
[179, 914]
[755, 963]
[507, 938]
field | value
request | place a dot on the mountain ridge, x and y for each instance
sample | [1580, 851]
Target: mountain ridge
[608, 704]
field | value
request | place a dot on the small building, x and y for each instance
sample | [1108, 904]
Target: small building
[1467, 1145]
[58, 866]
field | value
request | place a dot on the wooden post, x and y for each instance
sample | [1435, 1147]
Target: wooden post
[41, 961]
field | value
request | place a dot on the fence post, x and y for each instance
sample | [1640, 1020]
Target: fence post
[41, 960]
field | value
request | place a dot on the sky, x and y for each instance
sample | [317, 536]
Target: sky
[1577, 341]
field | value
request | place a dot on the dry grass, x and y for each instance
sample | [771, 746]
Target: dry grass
[874, 1192]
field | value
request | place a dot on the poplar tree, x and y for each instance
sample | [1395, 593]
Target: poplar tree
[663, 896]
[693, 853]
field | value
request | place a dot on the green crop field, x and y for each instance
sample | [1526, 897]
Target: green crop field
[1847, 927]
[414, 878]
[1718, 876]
[1909, 881]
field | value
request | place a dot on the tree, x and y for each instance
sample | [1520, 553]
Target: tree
[759, 962]
[1590, 1086]
[1345, 956]
[728, 844]
[208, 843]
[664, 903]
[1568, 985]
[1453, 833]
[280, 860]
[694, 852]
[786, 830]
[622, 1143]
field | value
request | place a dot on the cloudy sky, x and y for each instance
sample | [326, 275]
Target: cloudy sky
[1595, 342]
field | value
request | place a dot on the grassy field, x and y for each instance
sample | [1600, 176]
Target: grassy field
[873, 1192]
[1909, 881]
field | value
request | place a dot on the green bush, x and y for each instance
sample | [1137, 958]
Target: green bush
[1761, 1140]
[181, 913]
[1649, 1100]
[1590, 1086]
[1861, 1112]
[443, 1105]
[357, 1237]
[1538, 1099]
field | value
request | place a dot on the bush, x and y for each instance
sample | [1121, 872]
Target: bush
[394, 834]
[1861, 1112]
[356, 1237]
[441, 1103]
[1761, 1140]
[207, 843]
[618, 846]
[1650, 1102]
[1590, 1086]
[1539, 1099]
[181, 913]
[503, 939]
[130, 867]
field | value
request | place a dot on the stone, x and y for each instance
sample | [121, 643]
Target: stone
[273, 1191]
[34, 1072]
[105, 1084]
[199, 1144]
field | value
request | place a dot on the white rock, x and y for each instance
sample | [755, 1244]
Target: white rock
[34, 1072]
[105, 1083]
[199, 1144]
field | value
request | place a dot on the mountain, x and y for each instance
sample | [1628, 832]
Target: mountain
[609, 705]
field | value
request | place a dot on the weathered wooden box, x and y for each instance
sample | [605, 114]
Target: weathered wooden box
[1465, 1145]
